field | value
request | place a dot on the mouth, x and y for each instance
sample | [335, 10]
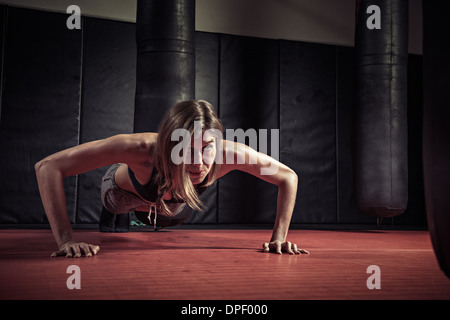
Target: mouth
[196, 174]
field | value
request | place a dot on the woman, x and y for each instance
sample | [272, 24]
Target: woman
[147, 176]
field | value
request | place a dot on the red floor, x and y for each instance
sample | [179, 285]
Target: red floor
[223, 264]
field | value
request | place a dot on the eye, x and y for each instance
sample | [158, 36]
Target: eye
[209, 147]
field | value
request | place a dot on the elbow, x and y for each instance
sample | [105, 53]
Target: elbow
[290, 180]
[41, 166]
[38, 166]
[293, 177]
[48, 167]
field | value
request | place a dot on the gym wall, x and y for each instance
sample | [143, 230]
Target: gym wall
[61, 87]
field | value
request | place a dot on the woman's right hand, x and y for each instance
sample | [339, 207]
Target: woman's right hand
[76, 249]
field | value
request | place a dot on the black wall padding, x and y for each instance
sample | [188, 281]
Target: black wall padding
[248, 100]
[107, 105]
[207, 46]
[165, 73]
[436, 126]
[381, 137]
[415, 211]
[345, 103]
[40, 108]
[308, 127]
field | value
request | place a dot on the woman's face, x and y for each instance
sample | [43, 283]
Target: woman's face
[203, 152]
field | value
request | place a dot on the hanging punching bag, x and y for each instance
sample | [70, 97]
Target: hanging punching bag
[165, 75]
[380, 119]
[436, 126]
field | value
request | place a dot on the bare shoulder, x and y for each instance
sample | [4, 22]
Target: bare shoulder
[140, 145]
[143, 141]
[232, 154]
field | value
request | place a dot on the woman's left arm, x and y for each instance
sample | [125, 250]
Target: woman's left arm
[268, 169]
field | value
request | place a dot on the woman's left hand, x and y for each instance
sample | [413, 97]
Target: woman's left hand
[278, 247]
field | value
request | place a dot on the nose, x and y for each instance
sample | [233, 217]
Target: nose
[197, 157]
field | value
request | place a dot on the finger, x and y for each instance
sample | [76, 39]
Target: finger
[94, 249]
[57, 253]
[76, 250]
[303, 251]
[288, 247]
[85, 249]
[266, 247]
[295, 249]
[278, 247]
[68, 250]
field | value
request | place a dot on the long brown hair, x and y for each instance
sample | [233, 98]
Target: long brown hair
[173, 177]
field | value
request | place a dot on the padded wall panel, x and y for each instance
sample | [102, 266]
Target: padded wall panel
[415, 213]
[207, 88]
[345, 104]
[248, 100]
[207, 47]
[107, 107]
[40, 107]
[308, 127]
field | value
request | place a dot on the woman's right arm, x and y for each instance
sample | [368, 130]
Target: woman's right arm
[51, 171]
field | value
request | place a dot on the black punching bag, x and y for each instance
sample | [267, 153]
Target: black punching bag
[436, 126]
[165, 75]
[380, 123]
